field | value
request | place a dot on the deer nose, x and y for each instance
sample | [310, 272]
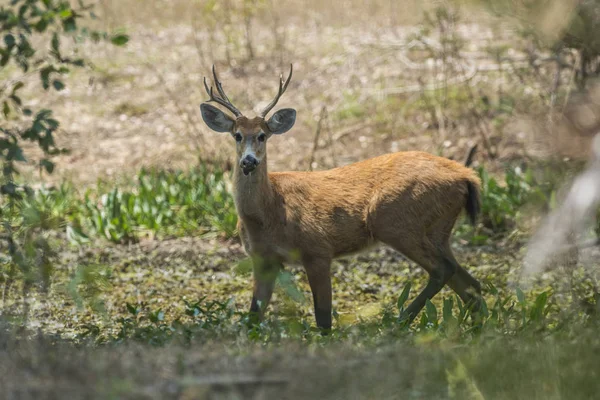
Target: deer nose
[249, 163]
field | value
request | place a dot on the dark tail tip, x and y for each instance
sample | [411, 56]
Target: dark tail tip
[473, 205]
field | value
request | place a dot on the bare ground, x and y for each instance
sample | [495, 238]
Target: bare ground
[139, 105]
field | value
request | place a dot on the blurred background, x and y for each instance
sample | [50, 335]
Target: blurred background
[517, 78]
[121, 273]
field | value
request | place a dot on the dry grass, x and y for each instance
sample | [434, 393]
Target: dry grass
[140, 106]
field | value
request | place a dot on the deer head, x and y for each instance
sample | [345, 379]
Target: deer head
[250, 134]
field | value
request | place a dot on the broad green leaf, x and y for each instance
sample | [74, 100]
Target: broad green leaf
[520, 296]
[55, 43]
[17, 87]
[431, 312]
[9, 40]
[65, 13]
[58, 85]
[403, 297]
[119, 39]
[47, 165]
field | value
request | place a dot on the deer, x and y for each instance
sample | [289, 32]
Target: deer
[407, 200]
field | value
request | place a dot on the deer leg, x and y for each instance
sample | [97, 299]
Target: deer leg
[265, 275]
[467, 287]
[439, 275]
[319, 279]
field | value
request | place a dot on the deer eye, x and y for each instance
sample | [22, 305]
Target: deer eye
[262, 137]
[238, 137]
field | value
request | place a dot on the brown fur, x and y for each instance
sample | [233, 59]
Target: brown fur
[398, 196]
[408, 200]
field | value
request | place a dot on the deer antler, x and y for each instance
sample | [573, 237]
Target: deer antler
[282, 86]
[222, 99]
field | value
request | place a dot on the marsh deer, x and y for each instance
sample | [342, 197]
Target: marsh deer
[407, 200]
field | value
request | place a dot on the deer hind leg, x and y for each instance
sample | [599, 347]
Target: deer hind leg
[467, 287]
[440, 269]
[433, 253]
[425, 251]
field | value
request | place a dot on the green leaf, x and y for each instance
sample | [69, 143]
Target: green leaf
[119, 39]
[76, 236]
[5, 57]
[431, 312]
[16, 100]
[69, 24]
[58, 85]
[447, 309]
[47, 165]
[65, 13]
[16, 153]
[286, 280]
[41, 25]
[132, 309]
[520, 296]
[45, 76]
[537, 311]
[403, 297]
[244, 267]
[10, 41]
[9, 188]
[17, 86]
[55, 43]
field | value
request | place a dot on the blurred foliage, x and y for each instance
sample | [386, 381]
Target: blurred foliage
[556, 25]
[33, 32]
[164, 202]
[234, 19]
[501, 202]
[160, 202]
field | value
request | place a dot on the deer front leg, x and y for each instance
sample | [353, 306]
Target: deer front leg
[265, 275]
[318, 272]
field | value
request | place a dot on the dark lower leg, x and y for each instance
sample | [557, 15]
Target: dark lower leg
[434, 285]
[437, 279]
[265, 275]
[320, 284]
[467, 287]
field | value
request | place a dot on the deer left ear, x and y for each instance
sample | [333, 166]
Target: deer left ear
[282, 121]
[216, 119]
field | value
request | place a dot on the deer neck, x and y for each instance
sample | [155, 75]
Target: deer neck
[253, 193]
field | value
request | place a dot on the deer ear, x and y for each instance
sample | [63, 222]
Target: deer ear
[282, 121]
[216, 119]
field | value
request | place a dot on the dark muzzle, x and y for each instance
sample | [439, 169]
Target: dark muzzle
[248, 164]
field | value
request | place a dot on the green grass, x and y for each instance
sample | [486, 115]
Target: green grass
[164, 202]
[198, 202]
[108, 303]
[159, 203]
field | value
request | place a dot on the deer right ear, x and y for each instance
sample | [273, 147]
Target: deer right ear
[282, 121]
[216, 119]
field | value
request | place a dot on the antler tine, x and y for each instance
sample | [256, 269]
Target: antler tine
[223, 99]
[282, 87]
[219, 85]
